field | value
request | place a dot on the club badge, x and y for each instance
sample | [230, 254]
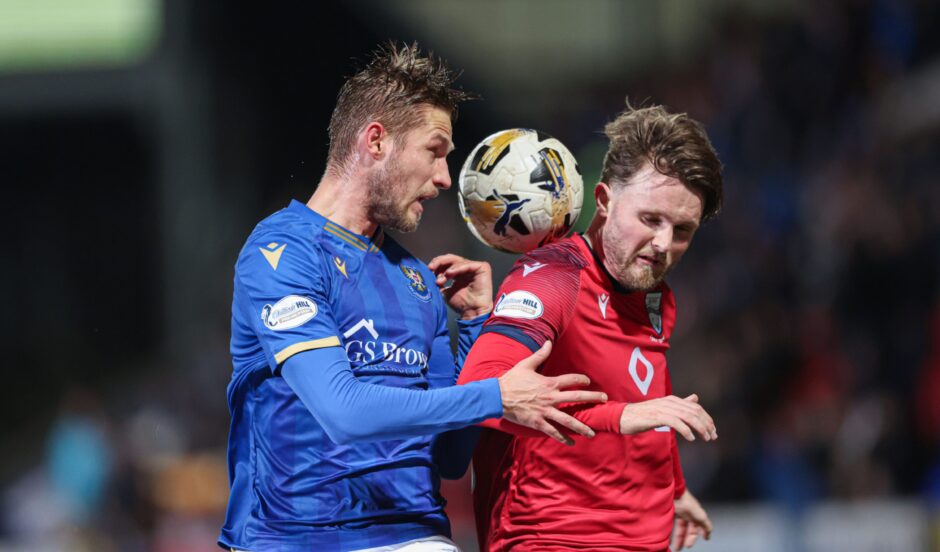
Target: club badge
[416, 282]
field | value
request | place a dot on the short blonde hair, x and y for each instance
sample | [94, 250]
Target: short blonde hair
[390, 89]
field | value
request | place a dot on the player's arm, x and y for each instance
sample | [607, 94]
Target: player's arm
[287, 298]
[535, 306]
[352, 411]
[685, 415]
[494, 354]
[451, 451]
[467, 288]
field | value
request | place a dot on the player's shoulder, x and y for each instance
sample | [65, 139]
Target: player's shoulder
[286, 237]
[542, 289]
[565, 256]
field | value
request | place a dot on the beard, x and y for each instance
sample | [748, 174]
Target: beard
[624, 268]
[386, 190]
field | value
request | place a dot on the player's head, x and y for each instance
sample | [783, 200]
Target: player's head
[393, 123]
[660, 180]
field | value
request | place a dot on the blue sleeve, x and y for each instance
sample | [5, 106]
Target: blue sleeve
[283, 292]
[442, 370]
[352, 411]
[451, 451]
[467, 333]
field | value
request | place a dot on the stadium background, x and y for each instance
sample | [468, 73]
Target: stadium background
[140, 141]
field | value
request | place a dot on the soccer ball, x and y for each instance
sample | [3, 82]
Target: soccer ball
[520, 189]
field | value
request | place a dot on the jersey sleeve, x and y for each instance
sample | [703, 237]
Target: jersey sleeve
[346, 407]
[443, 368]
[284, 292]
[451, 451]
[495, 354]
[536, 299]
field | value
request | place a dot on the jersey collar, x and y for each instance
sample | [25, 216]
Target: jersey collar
[356, 241]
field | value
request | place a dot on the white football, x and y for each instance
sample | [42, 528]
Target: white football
[520, 189]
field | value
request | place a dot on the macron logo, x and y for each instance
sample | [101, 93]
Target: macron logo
[369, 325]
[602, 301]
[527, 269]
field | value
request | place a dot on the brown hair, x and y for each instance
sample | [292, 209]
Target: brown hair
[396, 81]
[674, 144]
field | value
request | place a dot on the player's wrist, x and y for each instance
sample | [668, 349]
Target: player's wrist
[471, 313]
[626, 427]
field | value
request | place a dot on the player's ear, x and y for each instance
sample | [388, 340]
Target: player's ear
[373, 141]
[602, 193]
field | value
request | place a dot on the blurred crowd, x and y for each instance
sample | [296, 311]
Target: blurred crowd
[809, 312]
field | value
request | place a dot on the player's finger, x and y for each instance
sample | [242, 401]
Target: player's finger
[553, 432]
[536, 359]
[565, 381]
[677, 424]
[690, 538]
[693, 397]
[569, 422]
[441, 262]
[696, 412]
[679, 531]
[579, 397]
[465, 267]
[697, 425]
[707, 526]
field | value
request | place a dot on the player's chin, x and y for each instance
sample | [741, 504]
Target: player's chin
[640, 278]
[409, 220]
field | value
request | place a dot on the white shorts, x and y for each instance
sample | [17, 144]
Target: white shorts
[436, 543]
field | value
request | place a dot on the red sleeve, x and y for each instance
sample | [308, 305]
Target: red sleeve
[536, 300]
[494, 354]
[676, 464]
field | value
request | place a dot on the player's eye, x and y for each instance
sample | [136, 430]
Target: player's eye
[683, 233]
[438, 150]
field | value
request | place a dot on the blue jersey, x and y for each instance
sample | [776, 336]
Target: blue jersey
[304, 283]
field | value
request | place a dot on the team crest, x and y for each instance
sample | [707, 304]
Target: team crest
[416, 282]
[654, 307]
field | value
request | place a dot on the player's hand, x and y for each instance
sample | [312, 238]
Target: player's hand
[530, 399]
[686, 416]
[471, 290]
[691, 521]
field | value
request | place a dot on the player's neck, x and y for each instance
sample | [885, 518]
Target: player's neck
[343, 202]
[593, 237]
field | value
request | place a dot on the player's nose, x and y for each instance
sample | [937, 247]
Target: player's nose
[662, 239]
[441, 177]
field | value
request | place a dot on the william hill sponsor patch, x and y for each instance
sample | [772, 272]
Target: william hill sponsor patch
[519, 304]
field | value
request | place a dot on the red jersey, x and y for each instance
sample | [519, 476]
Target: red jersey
[612, 492]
